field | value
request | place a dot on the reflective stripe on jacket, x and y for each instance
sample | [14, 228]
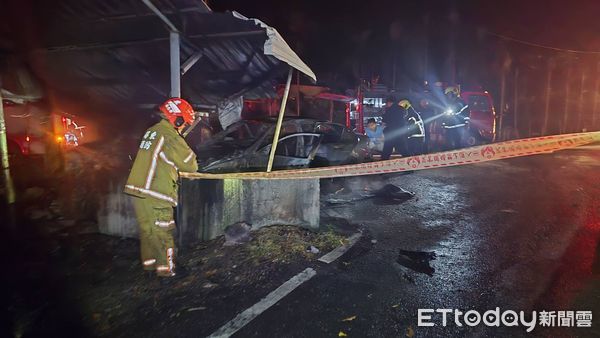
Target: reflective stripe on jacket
[161, 155]
[415, 125]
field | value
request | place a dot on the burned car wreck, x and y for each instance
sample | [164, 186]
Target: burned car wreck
[245, 146]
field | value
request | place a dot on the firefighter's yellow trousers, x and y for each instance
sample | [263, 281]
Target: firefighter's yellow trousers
[156, 225]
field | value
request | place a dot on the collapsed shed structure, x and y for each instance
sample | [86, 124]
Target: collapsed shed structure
[132, 52]
[130, 55]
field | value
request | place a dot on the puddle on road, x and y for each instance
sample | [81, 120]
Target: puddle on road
[419, 261]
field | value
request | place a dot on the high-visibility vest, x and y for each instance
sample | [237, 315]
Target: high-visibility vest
[162, 154]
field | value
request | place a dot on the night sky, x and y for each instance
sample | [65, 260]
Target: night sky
[330, 35]
[404, 43]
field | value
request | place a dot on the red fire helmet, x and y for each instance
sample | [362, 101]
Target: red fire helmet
[178, 111]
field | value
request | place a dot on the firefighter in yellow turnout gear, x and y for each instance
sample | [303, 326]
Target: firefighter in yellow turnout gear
[162, 154]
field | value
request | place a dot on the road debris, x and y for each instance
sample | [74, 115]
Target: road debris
[199, 308]
[349, 319]
[342, 334]
[391, 194]
[209, 285]
[210, 273]
[418, 261]
[313, 250]
[237, 233]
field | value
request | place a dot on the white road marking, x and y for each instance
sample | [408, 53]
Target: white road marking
[255, 310]
[340, 250]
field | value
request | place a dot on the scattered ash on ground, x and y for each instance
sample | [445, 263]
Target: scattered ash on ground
[92, 284]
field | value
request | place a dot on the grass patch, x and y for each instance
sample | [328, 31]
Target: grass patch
[283, 243]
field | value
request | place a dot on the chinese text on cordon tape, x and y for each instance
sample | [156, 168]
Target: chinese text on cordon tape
[489, 152]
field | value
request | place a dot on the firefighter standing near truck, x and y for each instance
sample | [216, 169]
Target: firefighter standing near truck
[393, 120]
[414, 131]
[456, 118]
[153, 183]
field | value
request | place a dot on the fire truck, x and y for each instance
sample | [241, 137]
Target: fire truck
[482, 123]
[429, 102]
[33, 132]
[310, 102]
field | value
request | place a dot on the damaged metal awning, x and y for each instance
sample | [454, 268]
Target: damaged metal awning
[118, 52]
[278, 48]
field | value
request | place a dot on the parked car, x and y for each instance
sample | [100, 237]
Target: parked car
[245, 146]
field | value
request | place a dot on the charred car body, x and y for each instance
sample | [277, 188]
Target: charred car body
[245, 146]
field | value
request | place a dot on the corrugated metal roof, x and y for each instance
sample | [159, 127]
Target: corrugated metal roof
[117, 51]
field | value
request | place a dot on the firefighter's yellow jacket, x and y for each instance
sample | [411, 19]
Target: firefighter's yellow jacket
[161, 155]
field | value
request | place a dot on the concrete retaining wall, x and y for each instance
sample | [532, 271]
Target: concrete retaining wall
[208, 206]
[116, 215]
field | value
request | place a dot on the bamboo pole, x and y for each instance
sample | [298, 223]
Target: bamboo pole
[280, 120]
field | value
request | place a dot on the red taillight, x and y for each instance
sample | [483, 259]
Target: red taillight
[27, 139]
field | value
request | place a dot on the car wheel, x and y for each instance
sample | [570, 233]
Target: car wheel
[471, 141]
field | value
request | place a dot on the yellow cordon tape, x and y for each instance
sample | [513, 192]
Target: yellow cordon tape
[484, 153]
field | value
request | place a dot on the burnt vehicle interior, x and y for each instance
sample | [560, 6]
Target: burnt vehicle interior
[245, 146]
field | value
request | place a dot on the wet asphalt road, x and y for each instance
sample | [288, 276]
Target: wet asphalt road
[519, 234]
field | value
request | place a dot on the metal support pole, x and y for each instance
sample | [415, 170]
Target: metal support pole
[426, 49]
[565, 123]
[298, 91]
[393, 68]
[190, 62]
[175, 64]
[516, 104]
[595, 112]
[502, 104]
[525, 105]
[581, 106]
[360, 125]
[280, 120]
[158, 13]
[8, 183]
[330, 110]
[548, 94]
